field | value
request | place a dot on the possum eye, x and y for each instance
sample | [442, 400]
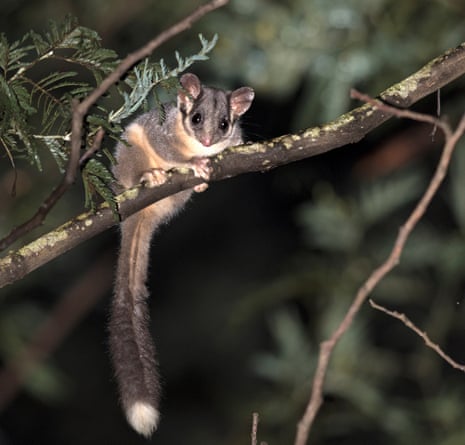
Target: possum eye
[196, 119]
[224, 125]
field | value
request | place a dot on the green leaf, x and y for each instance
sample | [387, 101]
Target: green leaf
[97, 181]
[58, 149]
[39, 43]
[23, 97]
[11, 56]
[29, 87]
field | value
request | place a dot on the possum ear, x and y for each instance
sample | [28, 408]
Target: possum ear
[240, 100]
[191, 89]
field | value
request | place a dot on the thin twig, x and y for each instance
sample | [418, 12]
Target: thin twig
[407, 322]
[95, 147]
[407, 114]
[253, 435]
[327, 346]
[81, 109]
[13, 165]
[438, 111]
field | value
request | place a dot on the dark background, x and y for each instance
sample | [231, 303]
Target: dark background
[256, 272]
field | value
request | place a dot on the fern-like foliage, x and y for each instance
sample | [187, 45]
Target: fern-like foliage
[145, 77]
[39, 79]
[40, 76]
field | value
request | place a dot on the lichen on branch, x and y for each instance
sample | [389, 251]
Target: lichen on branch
[259, 156]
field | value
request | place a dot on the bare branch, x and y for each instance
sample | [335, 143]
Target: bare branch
[327, 346]
[81, 109]
[407, 322]
[260, 156]
[253, 434]
[407, 114]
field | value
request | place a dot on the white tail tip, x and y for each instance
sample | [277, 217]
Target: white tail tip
[143, 417]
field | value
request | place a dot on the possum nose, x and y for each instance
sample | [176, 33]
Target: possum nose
[206, 141]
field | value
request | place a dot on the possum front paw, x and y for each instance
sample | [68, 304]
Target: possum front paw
[201, 187]
[201, 167]
[153, 177]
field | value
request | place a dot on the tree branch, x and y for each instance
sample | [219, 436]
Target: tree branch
[260, 156]
[327, 346]
[407, 322]
[82, 108]
[254, 433]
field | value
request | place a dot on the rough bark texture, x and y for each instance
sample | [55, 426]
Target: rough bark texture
[261, 156]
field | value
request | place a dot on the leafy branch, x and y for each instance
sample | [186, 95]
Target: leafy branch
[144, 79]
[260, 156]
[81, 46]
[24, 94]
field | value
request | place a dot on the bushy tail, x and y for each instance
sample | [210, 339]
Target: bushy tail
[131, 346]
